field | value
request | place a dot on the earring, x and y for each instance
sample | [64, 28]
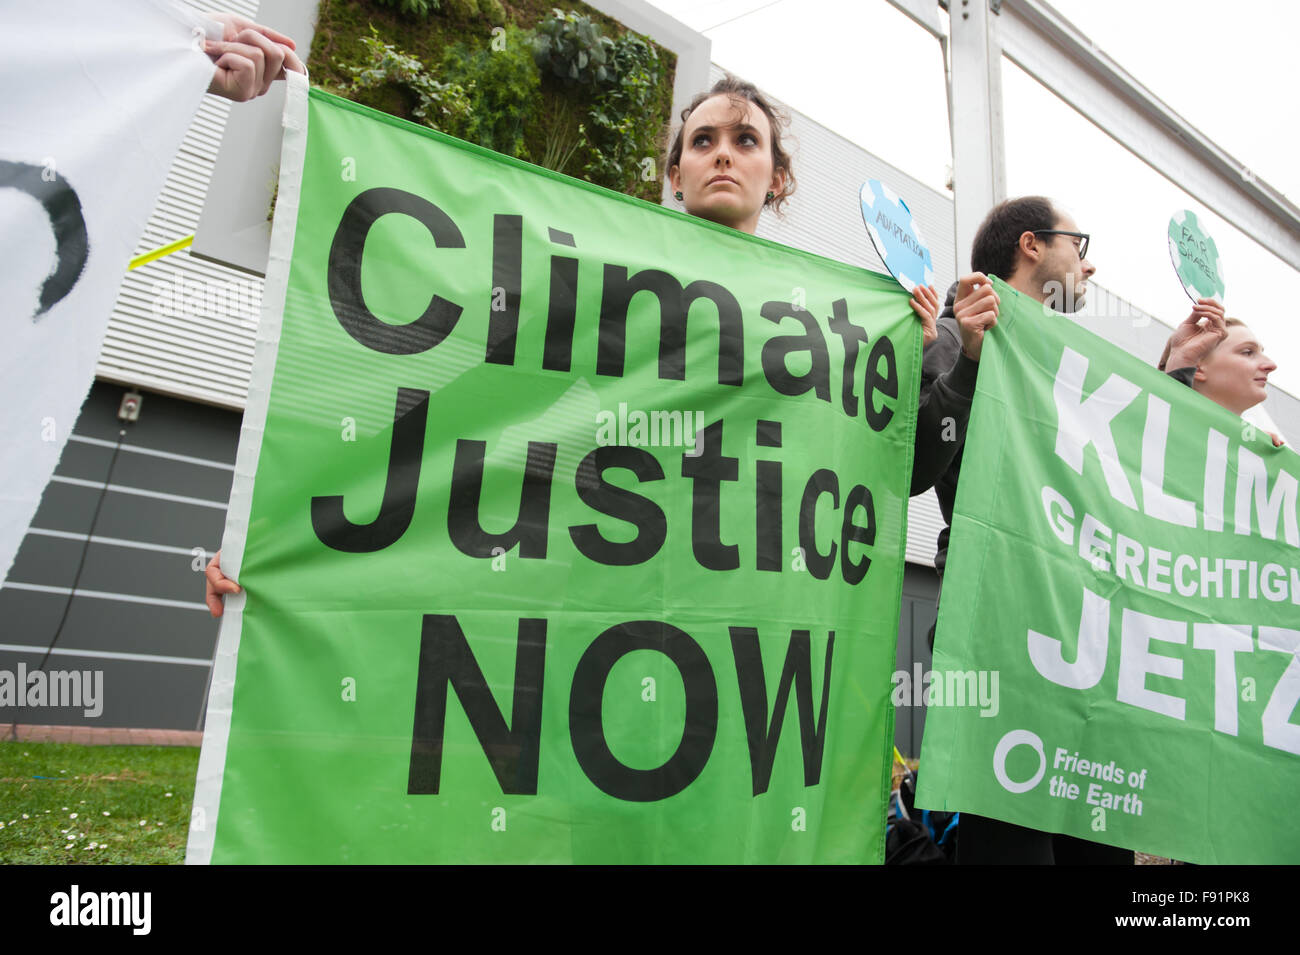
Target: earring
[678, 196]
[771, 196]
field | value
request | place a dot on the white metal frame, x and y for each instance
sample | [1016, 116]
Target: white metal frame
[1039, 40]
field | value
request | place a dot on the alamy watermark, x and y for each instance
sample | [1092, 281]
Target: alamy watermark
[1062, 298]
[238, 299]
[130, 909]
[650, 429]
[976, 688]
[80, 689]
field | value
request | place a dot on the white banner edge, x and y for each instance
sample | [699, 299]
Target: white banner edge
[216, 735]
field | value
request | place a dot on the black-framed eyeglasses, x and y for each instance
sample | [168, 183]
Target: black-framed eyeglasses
[1083, 238]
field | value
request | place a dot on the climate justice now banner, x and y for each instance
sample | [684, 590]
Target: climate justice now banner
[1125, 556]
[576, 528]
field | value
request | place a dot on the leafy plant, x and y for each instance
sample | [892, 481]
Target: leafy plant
[571, 47]
[503, 89]
[462, 9]
[527, 94]
[443, 106]
[414, 8]
[622, 126]
[563, 138]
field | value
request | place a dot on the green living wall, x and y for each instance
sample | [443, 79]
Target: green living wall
[567, 88]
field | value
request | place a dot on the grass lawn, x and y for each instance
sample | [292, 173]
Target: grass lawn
[63, 803]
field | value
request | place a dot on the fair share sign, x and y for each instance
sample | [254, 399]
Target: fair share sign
[576, 533]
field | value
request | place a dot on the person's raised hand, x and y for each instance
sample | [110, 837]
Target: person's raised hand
[1198, 335]
[976, 310]
[218, 585]
[249, 58]
[925, 302]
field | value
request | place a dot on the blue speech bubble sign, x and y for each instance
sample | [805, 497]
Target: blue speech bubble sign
[895, 235]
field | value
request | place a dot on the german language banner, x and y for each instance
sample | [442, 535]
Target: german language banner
[1125, 558]
[576, 532]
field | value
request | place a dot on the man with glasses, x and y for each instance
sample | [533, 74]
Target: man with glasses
[1040, 252]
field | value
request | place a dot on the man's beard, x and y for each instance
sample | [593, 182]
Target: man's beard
[1062, 295]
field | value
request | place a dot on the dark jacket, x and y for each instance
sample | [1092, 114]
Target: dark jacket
[947, 389]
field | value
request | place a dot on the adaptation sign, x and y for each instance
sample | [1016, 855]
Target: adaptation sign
[574, 531]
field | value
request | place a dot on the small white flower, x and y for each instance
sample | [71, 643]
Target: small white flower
[144, 822]
[168, 795]
[72, 815]
[25, 816]
[106, 812]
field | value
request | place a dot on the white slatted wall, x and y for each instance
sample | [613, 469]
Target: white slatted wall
[201, 347]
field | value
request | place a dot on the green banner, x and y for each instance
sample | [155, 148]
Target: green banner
[1124, 569]
[577, 528]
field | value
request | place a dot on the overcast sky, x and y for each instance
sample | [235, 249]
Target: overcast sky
[864, 70]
